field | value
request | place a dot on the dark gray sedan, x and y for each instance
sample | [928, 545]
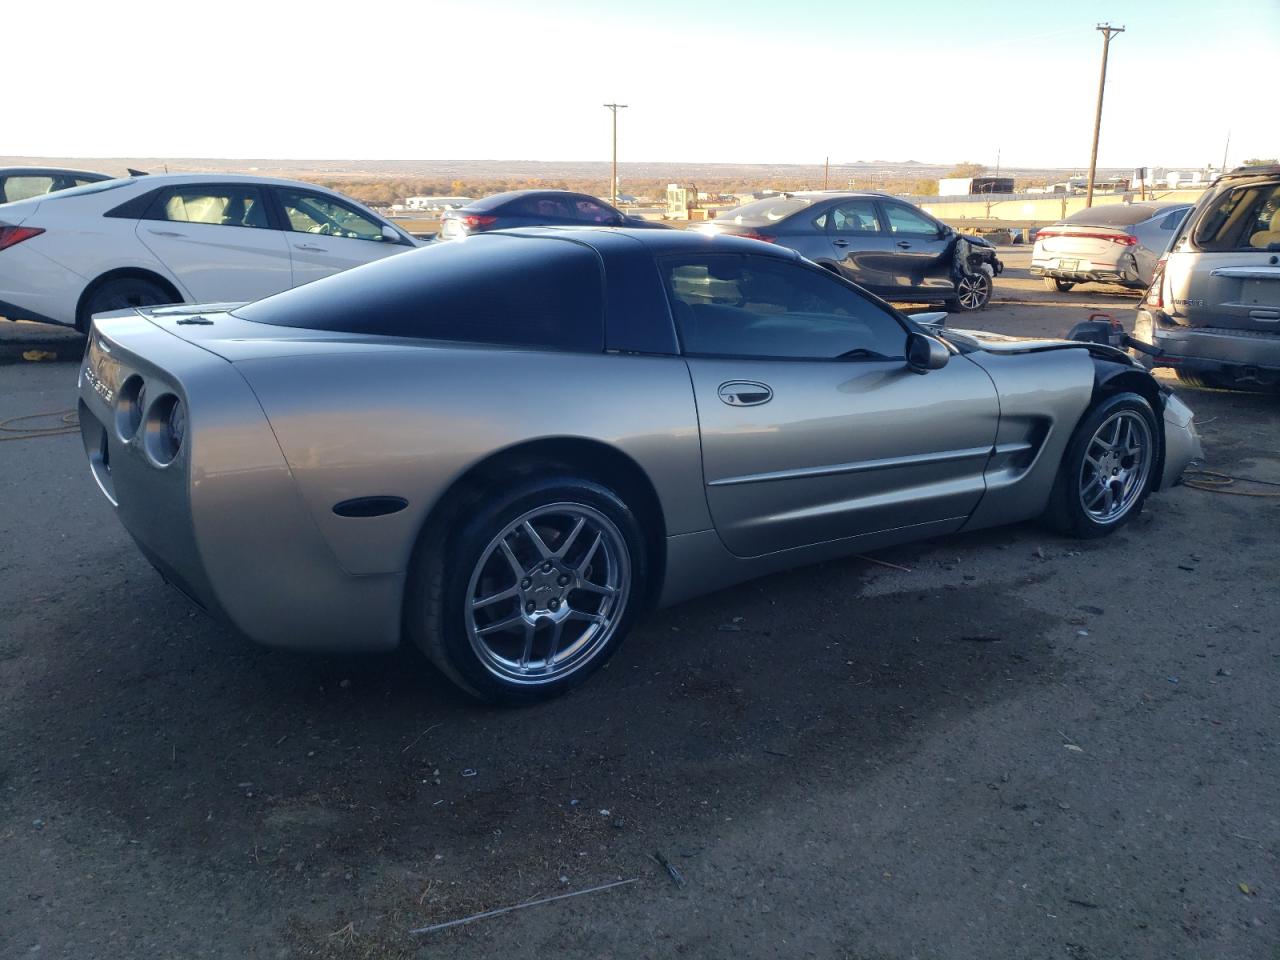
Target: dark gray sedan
[882, 243]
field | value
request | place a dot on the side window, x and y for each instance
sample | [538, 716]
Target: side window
[744, 306]
[227, 206]
[1246, 218]
[856, 216]
[903, 219]
[589, 211]
[1172, 221]
[316, 213]
[25, 187]
[543, 207]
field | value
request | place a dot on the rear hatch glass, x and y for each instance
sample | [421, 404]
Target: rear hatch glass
[769, 210]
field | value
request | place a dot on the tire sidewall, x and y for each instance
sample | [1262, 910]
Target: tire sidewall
[439, 625]
[92, 303]
[1066, 512]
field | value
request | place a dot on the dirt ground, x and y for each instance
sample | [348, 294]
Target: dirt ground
[1018, 746]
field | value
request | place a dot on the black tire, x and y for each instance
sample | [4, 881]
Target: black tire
[438, 597]
[975, 293]
[120, 293]
[1061, 286]
[1066, 513]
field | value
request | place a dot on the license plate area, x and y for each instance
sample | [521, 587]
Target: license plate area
[1068, 264]
[1261, 293]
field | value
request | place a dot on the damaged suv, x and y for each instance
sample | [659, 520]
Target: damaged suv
[1212, 312]
[883, 244]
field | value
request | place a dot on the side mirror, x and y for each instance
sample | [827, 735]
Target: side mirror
[390, 234]
[925, 353]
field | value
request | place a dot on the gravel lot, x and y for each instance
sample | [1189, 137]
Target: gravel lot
[1018, 747]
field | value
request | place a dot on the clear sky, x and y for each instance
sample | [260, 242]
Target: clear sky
[785, 81]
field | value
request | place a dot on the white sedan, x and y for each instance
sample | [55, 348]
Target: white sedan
[194, 238]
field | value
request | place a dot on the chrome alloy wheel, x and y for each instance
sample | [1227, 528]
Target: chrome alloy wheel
[973, 291]
[547, 593]
[1117, 462]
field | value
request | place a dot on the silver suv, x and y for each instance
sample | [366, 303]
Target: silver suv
[1212, 312]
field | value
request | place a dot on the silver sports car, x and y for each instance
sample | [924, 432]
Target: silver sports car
[505, 449]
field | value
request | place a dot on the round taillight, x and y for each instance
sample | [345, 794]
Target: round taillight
[130, 402]
[165, 428]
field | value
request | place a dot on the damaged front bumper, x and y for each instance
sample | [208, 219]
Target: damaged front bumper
[1181, 441]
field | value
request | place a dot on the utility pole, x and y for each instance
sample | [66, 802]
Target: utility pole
[1107, 31]
[826, 172]
[1224, 153]
[613, 187]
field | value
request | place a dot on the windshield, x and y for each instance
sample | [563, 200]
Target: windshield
[769, 210]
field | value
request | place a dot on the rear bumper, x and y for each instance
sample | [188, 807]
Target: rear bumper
[1121, 270]
[238, 540]
[1206, 348]
[33, 287]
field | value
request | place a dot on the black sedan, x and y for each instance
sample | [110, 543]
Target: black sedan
[884, 244]
[535, 208]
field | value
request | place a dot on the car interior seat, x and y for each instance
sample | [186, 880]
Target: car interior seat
[1263, 239]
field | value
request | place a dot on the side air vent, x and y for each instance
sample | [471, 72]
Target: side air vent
[361, 507]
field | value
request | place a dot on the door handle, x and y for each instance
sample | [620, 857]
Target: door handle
[840, 243]
[166, 233]
[903, 245]
[745, 393]
[309, 246]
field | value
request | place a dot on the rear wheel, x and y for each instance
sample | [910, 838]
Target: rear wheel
[533, 593]
[121, 293]
[1108, 468]
[973, 292]
[1062, 286]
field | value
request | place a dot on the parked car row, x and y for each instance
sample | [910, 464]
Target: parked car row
[75, 243]
[78, 243]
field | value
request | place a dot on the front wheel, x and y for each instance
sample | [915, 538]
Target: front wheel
[533, 593]
[973, 292]
[1107, 470]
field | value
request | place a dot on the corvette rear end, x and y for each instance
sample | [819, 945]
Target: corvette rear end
[178, 443]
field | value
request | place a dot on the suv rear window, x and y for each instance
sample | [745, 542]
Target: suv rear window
[1244, 218]
[522, 291]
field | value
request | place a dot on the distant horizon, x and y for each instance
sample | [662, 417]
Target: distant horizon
[51, 159]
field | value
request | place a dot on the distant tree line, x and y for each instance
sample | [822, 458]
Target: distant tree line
[383, 191]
